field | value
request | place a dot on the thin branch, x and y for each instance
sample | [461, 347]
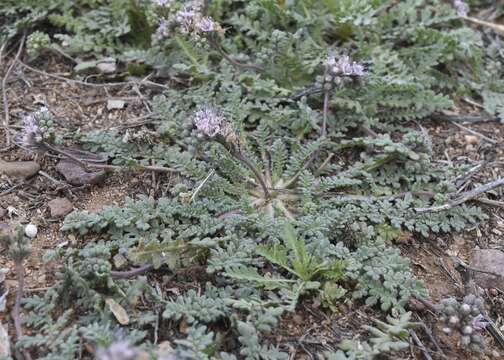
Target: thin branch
[459, 262]
[124, 275]
[492, 141]
[323, 132]
[123, 83]
[469, 118]
[420, 345]
[469, 195]
[315, 89]
[215, 44]
[87, 165]
[4, 90]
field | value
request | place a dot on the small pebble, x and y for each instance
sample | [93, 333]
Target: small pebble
[471, 139]
[31, 230]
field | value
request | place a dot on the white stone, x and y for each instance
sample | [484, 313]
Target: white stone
[31, 231]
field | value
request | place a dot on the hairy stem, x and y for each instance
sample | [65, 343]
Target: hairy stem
[214, 43]
[239, 156]
[323, 132]
[16, 311]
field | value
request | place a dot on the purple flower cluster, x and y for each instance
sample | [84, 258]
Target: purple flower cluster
[163, 29]
[189, 20]
[210, 122]
[344, 67]
[32, 134]
[162, 3]
[119, 350]
[461, 7]
[479, 322]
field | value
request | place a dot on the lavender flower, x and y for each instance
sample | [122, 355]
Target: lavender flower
[119, 350]
[343, 67]
[206, 25]
[461, 7]
[32, 133]
[162, 30]
[479, 322]
[210, 122]
[186, 18]
[162, 3]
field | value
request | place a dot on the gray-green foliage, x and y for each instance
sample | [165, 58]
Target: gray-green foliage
[333, 198]
[382, 276]
[387, 337]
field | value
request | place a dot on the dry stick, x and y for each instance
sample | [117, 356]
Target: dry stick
[492, 141]
[470, 118]
[469, 195]
[431, 337]
[420, 345]
[123, 275]
[491, 202]
[123, 83]
[86, 165]
[17, 304]
[325, 111]
[459, 262]
[4, 90]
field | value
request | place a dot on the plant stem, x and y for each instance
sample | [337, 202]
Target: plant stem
[323, 132]
[239, 156]
[226, 56]
[17, 304]
[86, 165]
[131, 273]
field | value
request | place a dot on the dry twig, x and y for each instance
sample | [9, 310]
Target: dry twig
[420, 345]
[464, 197]
[492, 141]
[4, 90]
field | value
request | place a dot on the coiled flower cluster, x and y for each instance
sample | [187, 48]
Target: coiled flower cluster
[119, 350]
[336, 70]
[461, 8]
[37, 128]
[95, 262]
[466, 318]
[36, 42]
[188, 21]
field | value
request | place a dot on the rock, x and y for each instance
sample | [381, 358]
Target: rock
[60, 207]
[31, 231]
[19, 169]
[77, 175]
[115, 104]
[3, 212]
[107, 66]
[490, 260]
[471, 139]
[5, 351]
[120, 261]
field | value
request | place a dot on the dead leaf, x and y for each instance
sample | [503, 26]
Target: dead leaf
[496, 27]
[120, 314]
